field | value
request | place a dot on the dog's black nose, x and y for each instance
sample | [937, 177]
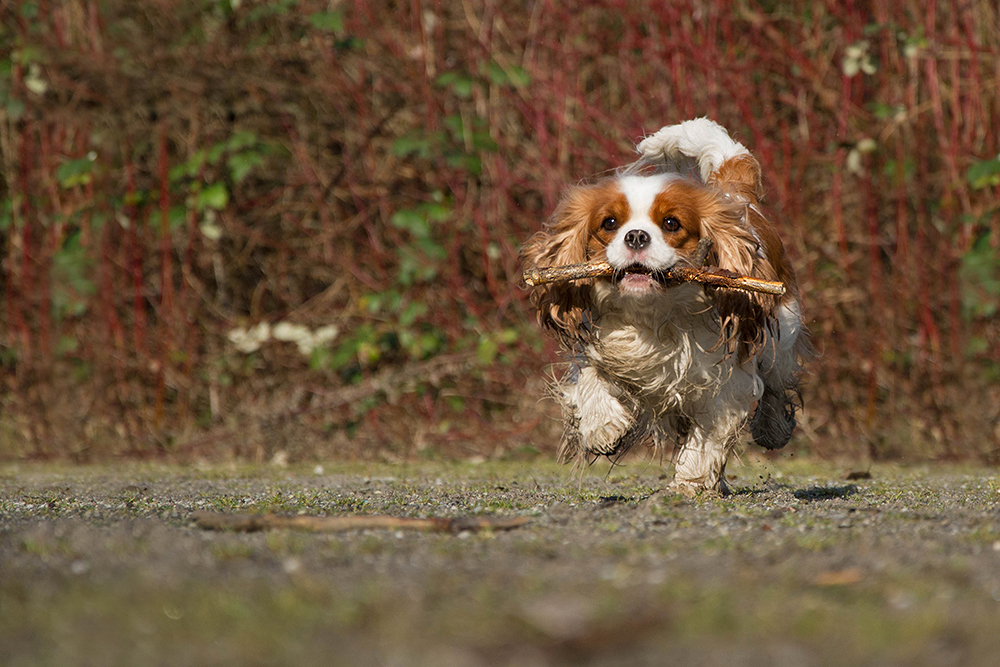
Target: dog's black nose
[637, 239]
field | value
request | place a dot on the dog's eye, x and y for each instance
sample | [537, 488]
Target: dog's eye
[609, 223]
[671, 224]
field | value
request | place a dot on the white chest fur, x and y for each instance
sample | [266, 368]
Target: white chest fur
[665, 348]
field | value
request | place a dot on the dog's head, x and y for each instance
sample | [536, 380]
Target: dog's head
[643, 225]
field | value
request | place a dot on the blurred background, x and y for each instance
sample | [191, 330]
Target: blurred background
[288, 230]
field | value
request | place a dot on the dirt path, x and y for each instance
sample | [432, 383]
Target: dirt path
[103, 566]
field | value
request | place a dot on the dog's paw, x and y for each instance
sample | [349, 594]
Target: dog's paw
[635, 435]
[690, 489]
[599, 422]
[686, 489]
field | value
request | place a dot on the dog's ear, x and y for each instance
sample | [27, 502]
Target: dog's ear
[740, 178]
[745, 316]
[563, 240]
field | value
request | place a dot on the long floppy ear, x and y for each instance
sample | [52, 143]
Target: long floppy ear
[562, 240]
[740, 178]
[746, 317]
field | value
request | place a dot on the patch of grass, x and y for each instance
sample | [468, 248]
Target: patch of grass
[232, 548]
[667, 574]
[818, 540]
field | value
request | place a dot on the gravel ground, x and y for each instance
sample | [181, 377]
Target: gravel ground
[800, 566]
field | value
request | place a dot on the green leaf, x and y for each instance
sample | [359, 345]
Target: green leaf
[509, 336]
[460, 84]
[426, 345]
[320, 358]
[214, 196]
[486, 353]
[412, 145]
[71, 278]
[412, 220]
[977, 345]
[465, 161]
[6, 214]
[412, 312]
[350, 43]
[438, 212]
[177, 217]
[984, 174]
[482, 141]
[241, 140]
[240, 164]
[881, 110]
[343, 355]
[190, 168]
[432, 249]
[75, 172]
[980, 280]
[456, 125]
[266, 10]
[512, 76]
[328, 21]
[66, 345]
[215, 152]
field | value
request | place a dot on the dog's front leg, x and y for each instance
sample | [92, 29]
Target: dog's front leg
[700, 464]
[598, 420]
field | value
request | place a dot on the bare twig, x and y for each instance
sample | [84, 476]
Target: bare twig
[701, 252]
[713, 277]
[248, 523]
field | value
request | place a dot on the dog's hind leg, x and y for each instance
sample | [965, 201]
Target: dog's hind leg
[772, 424]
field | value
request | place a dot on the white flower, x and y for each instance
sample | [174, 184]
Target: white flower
[303, 337]
[34, 81]
[325, 334]
[854, 162]
[857, 59]
[250, 340]
[867, 145]
[291, 332]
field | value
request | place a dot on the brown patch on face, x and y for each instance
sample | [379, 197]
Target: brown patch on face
[678, 212]
[607, 210]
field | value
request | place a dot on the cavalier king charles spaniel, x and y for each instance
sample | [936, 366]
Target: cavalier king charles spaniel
[654, 362]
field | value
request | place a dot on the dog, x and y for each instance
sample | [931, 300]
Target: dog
[653, 362]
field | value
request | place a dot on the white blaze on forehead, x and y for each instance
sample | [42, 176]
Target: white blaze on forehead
[641, 191]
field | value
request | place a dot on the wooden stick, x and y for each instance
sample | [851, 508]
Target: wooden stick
[675, 274]
[701, 252]
[248, 523]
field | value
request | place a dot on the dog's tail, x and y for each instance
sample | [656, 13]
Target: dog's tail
[707, 149]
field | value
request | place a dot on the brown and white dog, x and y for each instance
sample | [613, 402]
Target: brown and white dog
[682, 364]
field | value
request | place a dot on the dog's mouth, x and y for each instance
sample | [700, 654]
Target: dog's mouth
[639, 272]
[639, 278]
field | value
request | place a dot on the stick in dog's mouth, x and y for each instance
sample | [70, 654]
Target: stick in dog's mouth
[673, 275]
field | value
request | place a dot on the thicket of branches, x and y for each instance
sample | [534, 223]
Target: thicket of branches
[255, 228]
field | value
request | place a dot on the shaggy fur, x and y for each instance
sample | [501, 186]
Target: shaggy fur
[685, 364]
